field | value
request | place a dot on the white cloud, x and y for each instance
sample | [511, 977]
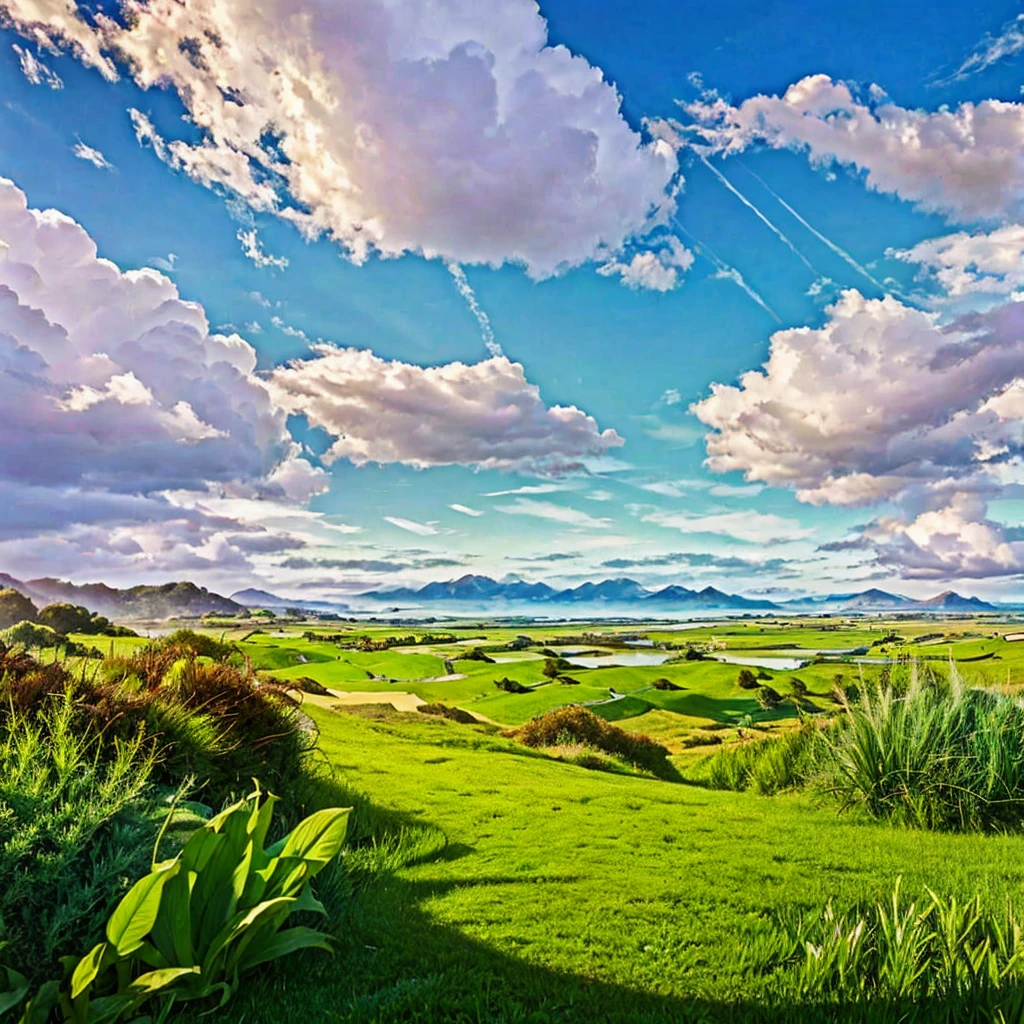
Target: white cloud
[884, 403]
[670, 396]
[411, 526]
[35, 70]
[654, 269]
[555, 513]
[466, 510]
[674, 488]
[992, 49]
[449, 128]
[957, 541]
[93, 156]
[750, 527]
[116, 392]
[252, 249]
[963, 162]
[966, 263]
[486, 414]
[878, 402]
[533, 489]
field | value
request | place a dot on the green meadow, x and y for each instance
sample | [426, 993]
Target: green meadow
[541, 841]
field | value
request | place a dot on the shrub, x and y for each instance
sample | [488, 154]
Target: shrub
[580, 726]
[446, 711]
[511, 685]
[665, 684]
[568, 681]
[932, 756]
[307, 685]
[30, 634]
[478, 654]
[762, 674]
[746, 680]
[72, 826]
[797, 686]
[199, 644]
[73, 618]
[768, 698]
[209, 721]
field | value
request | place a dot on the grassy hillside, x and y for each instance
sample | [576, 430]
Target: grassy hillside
[537, 891]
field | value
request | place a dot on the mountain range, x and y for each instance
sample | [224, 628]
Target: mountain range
[165, 601]
[627, 593]
[186, 599]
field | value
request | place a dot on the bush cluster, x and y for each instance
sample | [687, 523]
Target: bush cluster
[578, 725]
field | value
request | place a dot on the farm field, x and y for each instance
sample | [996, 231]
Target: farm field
[703, 703]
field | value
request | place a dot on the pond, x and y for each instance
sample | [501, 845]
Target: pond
[753, 661]
[625, 659]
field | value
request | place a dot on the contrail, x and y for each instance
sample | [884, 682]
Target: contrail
[838, 250]
[726, 273]
[466, 291]
[746, 202]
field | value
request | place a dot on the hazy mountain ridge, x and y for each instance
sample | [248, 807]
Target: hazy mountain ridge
[184, 598]
[627, 592]
[161, 601]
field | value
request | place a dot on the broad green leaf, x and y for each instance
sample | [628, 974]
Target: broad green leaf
[246, 921]
[41, 1005]
[172, 933]
[135, 915]
[290, 940]
[318, 838]
[15, 989]
[88, 968]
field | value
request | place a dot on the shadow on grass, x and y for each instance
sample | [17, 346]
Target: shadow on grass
[395, 962]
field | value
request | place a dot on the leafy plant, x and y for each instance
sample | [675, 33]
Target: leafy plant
[746, 680]
[196, 923]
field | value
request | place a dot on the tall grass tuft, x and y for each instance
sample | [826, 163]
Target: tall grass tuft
[962, 960]
[927, 752]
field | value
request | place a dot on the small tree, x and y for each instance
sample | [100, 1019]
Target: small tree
[768, 698]
[15, 607]
[747, 680]
[550, 669]
[798, 686]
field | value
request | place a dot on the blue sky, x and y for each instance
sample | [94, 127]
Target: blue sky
[855, 480]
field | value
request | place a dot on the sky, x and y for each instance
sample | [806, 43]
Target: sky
[330, 297]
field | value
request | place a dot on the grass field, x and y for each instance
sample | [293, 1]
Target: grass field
[538, 891]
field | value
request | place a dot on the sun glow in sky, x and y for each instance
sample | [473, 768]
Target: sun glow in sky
[322, 298]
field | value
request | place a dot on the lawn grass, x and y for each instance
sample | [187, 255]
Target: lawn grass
[563, 895]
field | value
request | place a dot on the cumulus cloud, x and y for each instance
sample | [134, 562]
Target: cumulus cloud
[884, 403]
[452, 128]
[963, 162]
[656, 269]
[486, 414]
[957, 541]
[116, 393]
[252, 249]
[966, 263]
[877, 402]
